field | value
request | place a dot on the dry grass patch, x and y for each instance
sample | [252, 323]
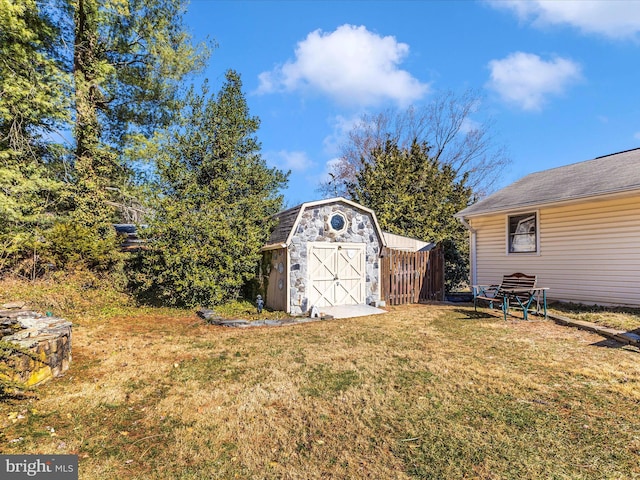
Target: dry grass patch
[627, 319]
[420, 392]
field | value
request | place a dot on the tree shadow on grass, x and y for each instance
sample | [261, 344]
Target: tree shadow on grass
[495, 314]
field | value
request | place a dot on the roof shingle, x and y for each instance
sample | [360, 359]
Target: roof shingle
[616, 173]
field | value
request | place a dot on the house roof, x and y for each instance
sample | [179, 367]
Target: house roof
[288, 220]
[611, 174]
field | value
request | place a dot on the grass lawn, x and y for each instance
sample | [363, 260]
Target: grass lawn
[621, 318]
[424, 391]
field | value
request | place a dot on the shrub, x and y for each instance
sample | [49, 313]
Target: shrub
[69, 246]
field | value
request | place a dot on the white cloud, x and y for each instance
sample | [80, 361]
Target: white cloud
[614, 19]
[525, 80]
[469, 125]
[295, 161]
[351, 65]
[340, 128]
[329, 168]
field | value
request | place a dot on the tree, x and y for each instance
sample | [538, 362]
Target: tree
[129, 60]
[112, 67]
[215, 195]
[414, 194]
[467, 147]
[33, 103]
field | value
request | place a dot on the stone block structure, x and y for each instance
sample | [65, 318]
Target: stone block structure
[48, 339]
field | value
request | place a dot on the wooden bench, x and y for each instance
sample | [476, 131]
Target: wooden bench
[516, 290]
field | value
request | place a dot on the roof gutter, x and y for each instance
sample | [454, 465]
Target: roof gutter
[464, 222]
[473, 263]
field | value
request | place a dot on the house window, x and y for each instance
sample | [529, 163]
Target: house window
[523, 233]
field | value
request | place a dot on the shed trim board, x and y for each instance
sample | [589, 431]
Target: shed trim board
[288, 291]
[273, 246]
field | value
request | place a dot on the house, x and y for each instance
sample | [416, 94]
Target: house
[576, 227]
[323, 253]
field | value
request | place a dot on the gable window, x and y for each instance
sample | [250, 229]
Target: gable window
[337, 222]
[523, 233]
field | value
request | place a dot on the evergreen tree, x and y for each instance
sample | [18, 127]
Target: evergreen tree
[215, 197]
[129, 60]
[33, 104]
[114, 69]
[415, 195]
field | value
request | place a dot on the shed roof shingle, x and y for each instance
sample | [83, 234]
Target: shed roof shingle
[285, 222]
[616, 173]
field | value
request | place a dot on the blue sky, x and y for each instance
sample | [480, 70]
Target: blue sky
[560, 80]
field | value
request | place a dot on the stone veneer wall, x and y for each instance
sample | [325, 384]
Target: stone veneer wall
[314, 227]
[49, 338]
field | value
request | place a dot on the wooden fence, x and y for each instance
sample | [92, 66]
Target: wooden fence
[412, 277]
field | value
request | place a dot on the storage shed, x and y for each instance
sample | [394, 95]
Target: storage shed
[323, 253]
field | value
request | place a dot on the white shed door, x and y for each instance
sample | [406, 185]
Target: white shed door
[337, 274]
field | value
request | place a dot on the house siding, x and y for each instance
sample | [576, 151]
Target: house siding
[589, 251]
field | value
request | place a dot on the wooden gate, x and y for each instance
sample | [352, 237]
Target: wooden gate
[412, 277]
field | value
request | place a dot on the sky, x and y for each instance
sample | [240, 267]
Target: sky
[559, 80]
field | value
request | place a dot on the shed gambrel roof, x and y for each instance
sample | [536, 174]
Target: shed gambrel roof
[285, 222]
[608, 175]
[288, 219]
